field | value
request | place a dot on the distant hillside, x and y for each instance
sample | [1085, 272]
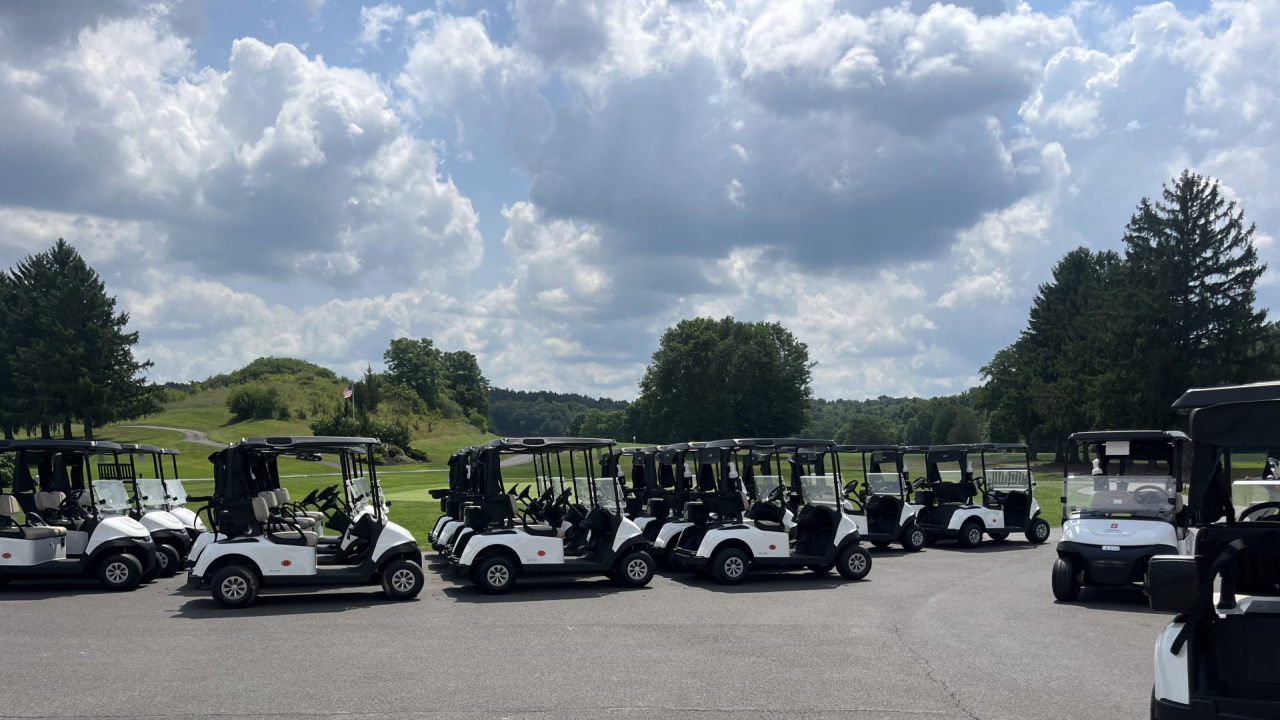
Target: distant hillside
[517, 413]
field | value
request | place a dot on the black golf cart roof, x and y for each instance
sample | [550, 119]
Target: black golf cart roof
[1000, 446]
[317, 443]
[914, 448]
[767, 443]
[1204, 397]
[543, 444]
[142, 449]
[1247, 417]
[1090, 436]
[53, 445]
[867, 448]
[946, 448]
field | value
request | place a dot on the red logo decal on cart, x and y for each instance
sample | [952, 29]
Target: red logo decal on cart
[773, 547]
[286, 563]
[6, 556]
[1115, 525]
[541, 553]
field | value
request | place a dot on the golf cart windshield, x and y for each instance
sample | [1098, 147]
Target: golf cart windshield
[358, 488]
[820, 490]
[606, 494]
[884, 483]
[766, 484]
[1008, 479]
[1139, 495]
[112, 496]
[1251, 491]
[177, 492]
[151, 494]
[555, 484]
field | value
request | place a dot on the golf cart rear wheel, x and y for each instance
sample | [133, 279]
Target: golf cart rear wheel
[635, 569]
[970, 534]
[880, 544]
[822, 569]
[853, 562]
[120, 572]
[402, 579]
[730, 566]
[1066, 582]
[168, 559]
[235, 586]
[496, 575]
[913, 539]
[1039, 531]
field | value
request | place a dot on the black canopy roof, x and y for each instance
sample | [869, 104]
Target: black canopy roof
[1091, 436]
[867, 448]
[1244, 416]
[81, 445]
[549, 444]
[1204, 397]
[143, 449]
[771, 443]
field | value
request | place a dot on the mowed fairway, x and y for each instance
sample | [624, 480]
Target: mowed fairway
[942, 634]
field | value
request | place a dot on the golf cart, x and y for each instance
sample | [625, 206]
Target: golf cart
[451, 497]
[255, 545]
[1122, 513]
[497, 508]
[74, 525]
[946, 495]
[678, 486]
[882, 507]
[151, 505]
[1216, 660]
[589, 535]
[177, 494]
[723, 541]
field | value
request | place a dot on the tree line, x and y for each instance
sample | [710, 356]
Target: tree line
[65, 357]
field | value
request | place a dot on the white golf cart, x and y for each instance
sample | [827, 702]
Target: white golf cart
[946, 495]
[823, 535]
[257, 543]
[73, 524]
[1216, 660]
[151, 505]
[881, 506]
[597, 540]
[1121, 514]
[452, 498]
[176, 494]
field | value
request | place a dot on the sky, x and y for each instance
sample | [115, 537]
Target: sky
[550, 184]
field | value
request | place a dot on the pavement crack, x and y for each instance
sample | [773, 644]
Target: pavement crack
[932, 674]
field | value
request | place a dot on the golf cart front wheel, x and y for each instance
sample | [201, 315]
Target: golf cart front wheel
[120, 572]
[970, 534]
[168, 559]
[496, 575]
[854, 562]
[235, 586]
[635, 569]
[1039, 531]
[402, 579]
[1066, 582]
[730, 566]
[913, 539]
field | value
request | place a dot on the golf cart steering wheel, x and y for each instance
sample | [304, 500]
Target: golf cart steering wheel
[72, 499]
[775, 495]
[1150, 495]
[310, 498]
[1273, 505]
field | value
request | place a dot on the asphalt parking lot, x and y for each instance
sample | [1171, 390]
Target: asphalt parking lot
[945, 633]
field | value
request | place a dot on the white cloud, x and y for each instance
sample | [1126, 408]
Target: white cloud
[378, 20]
[973, 290]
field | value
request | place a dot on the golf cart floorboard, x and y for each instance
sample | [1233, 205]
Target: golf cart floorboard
[793, 561]
[571, 566]
[48, 568]
[350, 575]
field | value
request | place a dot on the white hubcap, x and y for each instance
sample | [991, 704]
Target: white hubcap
[975, 536]
[117, 572]
[234, 588]
[637, 569]
[917, 538]
[403, 580]
[733, 567]
[163, 560]
[857, 563]
[498, 576]
[1042, 530]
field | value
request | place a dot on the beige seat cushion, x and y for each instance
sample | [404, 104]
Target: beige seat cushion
[49, 500]
[291, 538]
[260, 511]
[41, 532]
[9, 506]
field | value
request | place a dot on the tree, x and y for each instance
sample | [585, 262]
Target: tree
[255, 402]
[466, 383]
[966, 427]
[725, 378]
[1188, 299]
[942, 422]
[76, 360]
[866, 429]
[10, 414]
[609, 424]
[417, 365]
[368, 391]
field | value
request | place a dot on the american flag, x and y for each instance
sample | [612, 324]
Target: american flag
[348, 392]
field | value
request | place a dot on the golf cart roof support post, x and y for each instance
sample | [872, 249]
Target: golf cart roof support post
[376, 501]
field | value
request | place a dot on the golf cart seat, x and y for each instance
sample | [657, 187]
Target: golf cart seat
[955, 492]
[48, 505]
[8, 508]
[272, 501]
[282, 494]
[284, 537]
[767, 516]
[658, 509]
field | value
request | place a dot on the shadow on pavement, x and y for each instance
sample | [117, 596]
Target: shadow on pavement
[987, 546]
[300, 602]
[767, 581]
[535, 589]
[1117, 599]
[45, 589]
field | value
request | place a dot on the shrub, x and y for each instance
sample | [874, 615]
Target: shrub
[255, 402]
[479, 421]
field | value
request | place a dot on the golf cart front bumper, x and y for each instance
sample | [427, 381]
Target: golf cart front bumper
[1123, 566]
[1214, 709]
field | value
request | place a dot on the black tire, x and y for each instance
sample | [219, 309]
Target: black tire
[154, 572]
[970, 534]
[496, 575]
[168, 559]
[402, 579]
[119, 572]
[1066, 581]
[998, 536]
[1153, 702]
[730, 566]
[879, 544]
[853, 562]
[635, 569]
[821, 569]
[235, 586]
[913, 538]
[1038, 531]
